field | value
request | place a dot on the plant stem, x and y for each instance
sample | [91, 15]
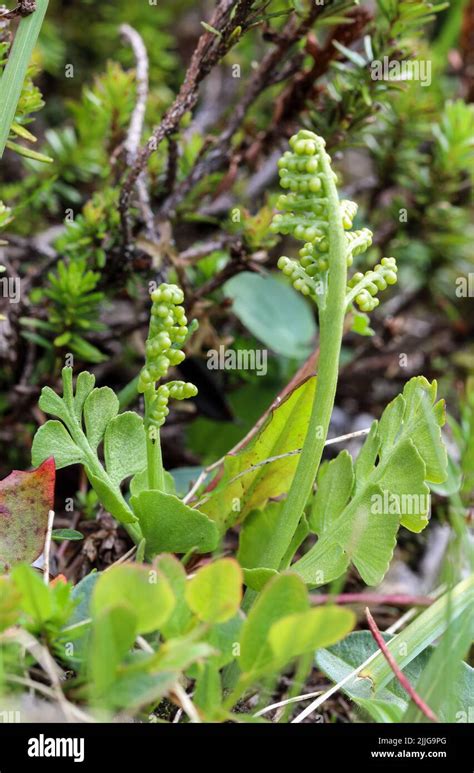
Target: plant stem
[156, 479]
[92, 462]
[331, 320]
[14, 74]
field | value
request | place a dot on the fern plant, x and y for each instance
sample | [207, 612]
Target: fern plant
[401, 456]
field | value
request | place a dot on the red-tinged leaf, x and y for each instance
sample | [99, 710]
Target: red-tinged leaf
[25, 500]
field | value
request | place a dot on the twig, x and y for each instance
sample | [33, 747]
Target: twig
[195, 253]
[391, 599]
[73, 710]
[210, 49]
[123, 558]
[335, 688]
[417, 700]
[47, 547]
[24, 8]
[135, 129]
[263, 78]
[269, 460]
[172, 166]
[287, 702]
[186, 703]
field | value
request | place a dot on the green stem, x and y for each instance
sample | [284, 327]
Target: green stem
[92, 463]
[331, 321]
[331, 330]
[156, 473]
[14, 74]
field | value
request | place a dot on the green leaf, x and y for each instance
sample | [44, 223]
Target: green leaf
[352, 56]
[111, 499]
[178, 623]
[257, 578]
[180, 654]
[389, 703]
[51, 403]
[81, 629]
[52, 439]
[28, 153]
[124, 446]
[223, 637]
[255, 533]
[139, 482]
[84, 386]
[100, 407]
[208, 692]
[142, 589]
[400, 456]
[215, 592]
[13, 77]
[137, 689]
[302, 632]
[10, 603]
[36, 599]
[447, 683]
[251, 487]
[183, 478]
[25, 501]
[282, 596]
[70, 534]
[168, 525]
[113, 634]
[335, 482]
[273, 312]
[425, 629]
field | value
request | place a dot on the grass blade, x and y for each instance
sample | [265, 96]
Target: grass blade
[16, 67]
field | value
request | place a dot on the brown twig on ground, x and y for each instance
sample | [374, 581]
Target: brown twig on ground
[266, 75]
[294, 98]
[172, 166]
[135, 129]
[24, 8]
[417, 700]
[391, 599]
[211, 48]
[195, 253]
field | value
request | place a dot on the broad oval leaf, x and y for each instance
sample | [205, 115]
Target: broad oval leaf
[25, 501]
[273, 312]
[169, 525]
[302, 632]
[282, 596]
[141, 588]
[215, 592]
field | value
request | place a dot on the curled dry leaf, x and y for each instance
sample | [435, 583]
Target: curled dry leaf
[25, 500]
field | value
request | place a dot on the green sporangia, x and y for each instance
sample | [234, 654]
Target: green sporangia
[89, 418]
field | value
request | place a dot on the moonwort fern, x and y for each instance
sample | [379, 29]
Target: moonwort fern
[357, 509]
[314, 213]
[89, 417]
